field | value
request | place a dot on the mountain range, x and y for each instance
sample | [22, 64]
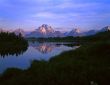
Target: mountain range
[47, 31]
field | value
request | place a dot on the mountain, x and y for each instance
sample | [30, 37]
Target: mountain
[90, 32]
[93, 32]
[2, 30]
[19, 31]
[65, 33]
[74, 32]
[107, 28]
[58, 34]
[45, 31]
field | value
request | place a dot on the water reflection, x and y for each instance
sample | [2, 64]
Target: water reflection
[21, 57]
[13, 50]
[45, 48]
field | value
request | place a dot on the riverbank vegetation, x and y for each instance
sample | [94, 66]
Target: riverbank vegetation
[12, 44]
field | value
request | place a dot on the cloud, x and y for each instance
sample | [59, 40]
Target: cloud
[49, 15]
[44, 15]
[77, 5]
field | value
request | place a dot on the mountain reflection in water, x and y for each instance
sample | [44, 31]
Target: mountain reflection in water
[45, 48]
[22, 58]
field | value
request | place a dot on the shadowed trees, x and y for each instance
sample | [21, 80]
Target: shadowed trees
[12, 44]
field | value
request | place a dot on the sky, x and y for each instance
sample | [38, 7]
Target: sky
[60, 14]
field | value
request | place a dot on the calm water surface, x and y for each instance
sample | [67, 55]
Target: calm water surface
[35, 51]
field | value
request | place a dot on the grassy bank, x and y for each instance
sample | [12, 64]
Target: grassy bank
[88, 65]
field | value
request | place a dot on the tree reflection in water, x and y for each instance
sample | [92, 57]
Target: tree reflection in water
[12, 44]
[12, 50]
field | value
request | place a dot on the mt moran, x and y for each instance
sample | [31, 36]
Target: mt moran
[45, 31]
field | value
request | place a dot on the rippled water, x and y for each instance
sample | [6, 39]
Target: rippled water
[35, 51]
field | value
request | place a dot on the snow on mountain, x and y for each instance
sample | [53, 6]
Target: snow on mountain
[45, 31]
[74, 32]
[107, 28]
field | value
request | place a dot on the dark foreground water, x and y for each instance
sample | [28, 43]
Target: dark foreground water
[35, 51]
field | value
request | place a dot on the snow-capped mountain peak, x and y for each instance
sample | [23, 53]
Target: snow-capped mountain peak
[107, 28]
[77, 30]
[42, 30]
[74, 32]
[45, 29]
